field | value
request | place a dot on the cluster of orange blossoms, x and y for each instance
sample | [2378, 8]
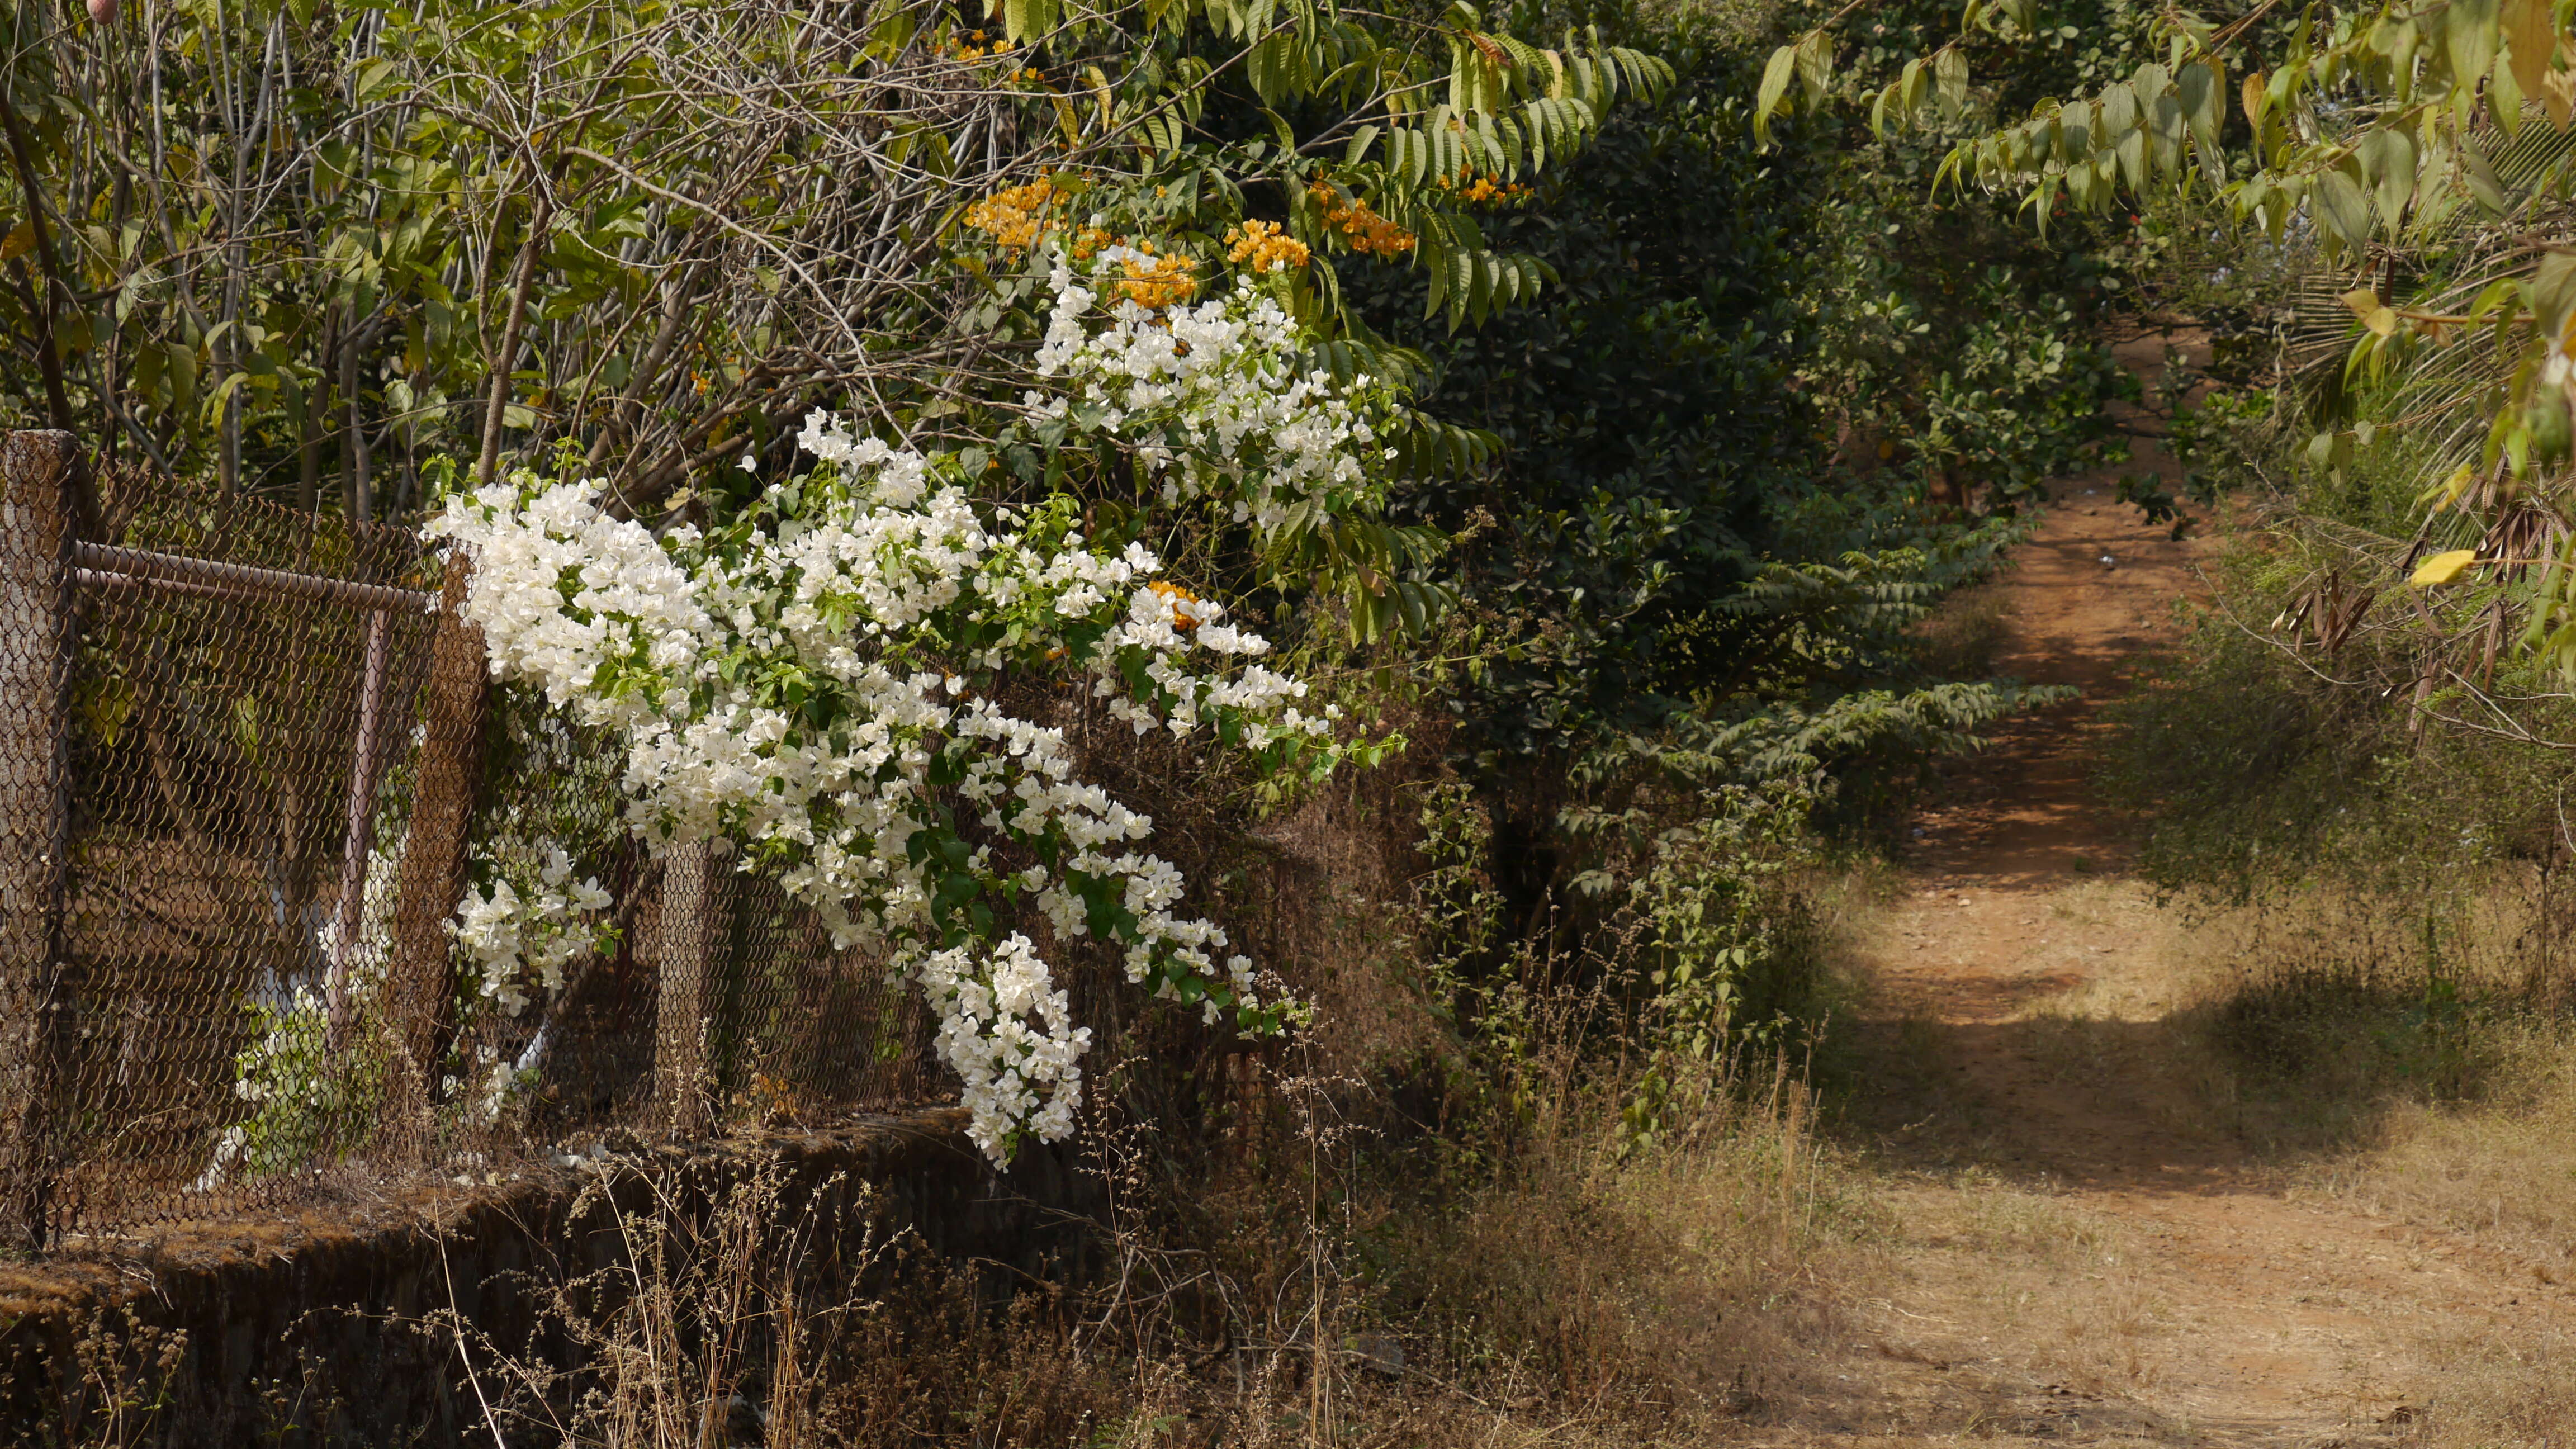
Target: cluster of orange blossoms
[1154, 282]
[1016, 218]
[1472, 187]
[1367, 231]
[1020, 217]
[1264, 247]
[971, 46]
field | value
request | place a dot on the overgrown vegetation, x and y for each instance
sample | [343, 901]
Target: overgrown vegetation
[1667, 443]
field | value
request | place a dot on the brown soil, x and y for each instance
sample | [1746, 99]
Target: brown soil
[2077, 1251]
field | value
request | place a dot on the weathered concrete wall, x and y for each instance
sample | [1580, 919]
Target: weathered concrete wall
[309, 1330]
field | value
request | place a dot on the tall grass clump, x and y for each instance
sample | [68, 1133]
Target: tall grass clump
[1626, 1177]
[2380, 897]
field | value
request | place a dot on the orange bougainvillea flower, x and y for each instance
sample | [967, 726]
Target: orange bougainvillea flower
[1264, 247]
[1021, 217]
[1156, 282]
[1471, 187]
[971, 45]
[1364, 229]
[1016, 218]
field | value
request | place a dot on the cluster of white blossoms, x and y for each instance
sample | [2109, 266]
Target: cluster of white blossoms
[634, 601]
[815, 681]
[1207, 396]
[529, 930]
[1005, 1028]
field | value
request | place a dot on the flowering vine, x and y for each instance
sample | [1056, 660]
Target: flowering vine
[530, 920]
[816, 679]
[1207, 399]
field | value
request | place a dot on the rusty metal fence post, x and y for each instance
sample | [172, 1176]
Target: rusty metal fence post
[420, 985]
[365, 761]
[693, 885]
[36, 537]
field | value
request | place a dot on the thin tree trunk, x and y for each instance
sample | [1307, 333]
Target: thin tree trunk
[507, 359]
[317, 415]
[49, 362]
[358, 495]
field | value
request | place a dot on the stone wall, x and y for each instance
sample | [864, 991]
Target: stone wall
[314, 1329]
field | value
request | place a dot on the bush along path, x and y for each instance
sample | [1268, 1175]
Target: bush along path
[2080, 1241]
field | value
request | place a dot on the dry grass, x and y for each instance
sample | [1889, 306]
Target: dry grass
[2498, 1173]
[1588, 1292]
[2409, 1054]
[2501, 1169]
[2313, 1043]
[1669, 1277]
[1591, 1290]
[2502, 1387]
[2031, 1286]
[2306, 1022]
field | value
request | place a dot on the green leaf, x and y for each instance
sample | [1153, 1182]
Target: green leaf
[2469, 40]
[2481, 179]
[1950, 75]
[2203, 91]
[891, 35]
[2074, 131]
[2553, 295]
[2388, 153]
[1776, 76]
[2504, 101]
[2374, 314]
[1815, 67]
[2130, 146]
[2341, 206]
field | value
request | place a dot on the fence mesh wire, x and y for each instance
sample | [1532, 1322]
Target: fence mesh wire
[223, 823]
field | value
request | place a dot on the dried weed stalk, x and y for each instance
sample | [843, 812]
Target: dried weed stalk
[708, 1325]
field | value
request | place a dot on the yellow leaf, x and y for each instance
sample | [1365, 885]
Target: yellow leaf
[2442, 568]
[2365, 305]
[1100, 89]
[19, 242]
[2531, 42]
[2447, 492]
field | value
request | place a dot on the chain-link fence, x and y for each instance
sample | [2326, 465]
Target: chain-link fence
[249, 766]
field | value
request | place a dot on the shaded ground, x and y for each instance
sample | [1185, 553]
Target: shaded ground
[2079, 1251]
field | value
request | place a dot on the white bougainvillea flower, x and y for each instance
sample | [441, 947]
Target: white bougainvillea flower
[814, 682]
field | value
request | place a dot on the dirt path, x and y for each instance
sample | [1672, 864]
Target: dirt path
[2077, 1253]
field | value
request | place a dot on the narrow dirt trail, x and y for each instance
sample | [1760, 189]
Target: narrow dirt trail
[2079, 1253]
